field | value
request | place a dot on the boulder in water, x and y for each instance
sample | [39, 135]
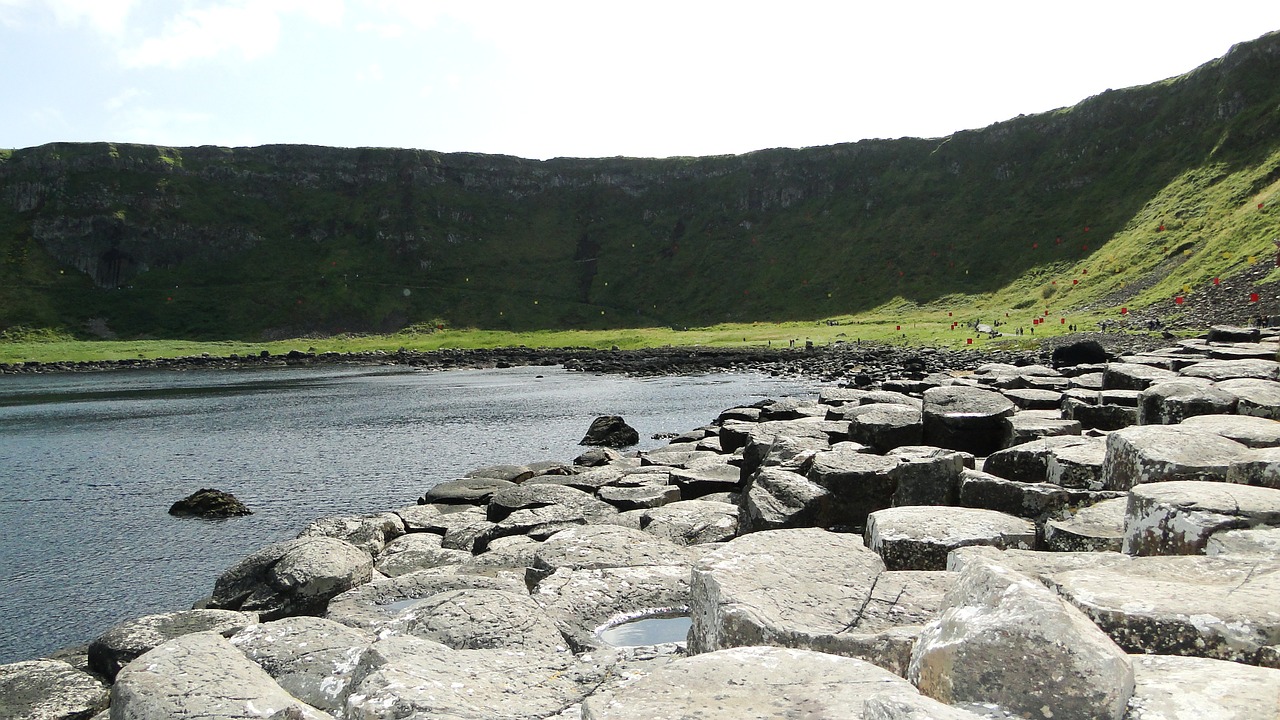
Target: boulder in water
[610, 431]
[210, 503]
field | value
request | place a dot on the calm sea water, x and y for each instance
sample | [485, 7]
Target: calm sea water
[90, 463]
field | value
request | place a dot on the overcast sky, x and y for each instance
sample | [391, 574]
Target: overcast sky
[546, 78]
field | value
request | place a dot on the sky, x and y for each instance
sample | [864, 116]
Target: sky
[567, 78]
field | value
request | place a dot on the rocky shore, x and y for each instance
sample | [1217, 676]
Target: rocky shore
[1099, 539]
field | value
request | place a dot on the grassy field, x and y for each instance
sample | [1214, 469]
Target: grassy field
[894, 323]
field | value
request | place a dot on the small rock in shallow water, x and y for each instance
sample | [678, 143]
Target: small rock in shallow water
[209, 503]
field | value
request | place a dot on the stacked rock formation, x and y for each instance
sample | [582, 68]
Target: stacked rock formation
[1090, 541]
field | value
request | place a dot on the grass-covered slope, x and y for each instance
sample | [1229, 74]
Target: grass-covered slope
[1057, 211]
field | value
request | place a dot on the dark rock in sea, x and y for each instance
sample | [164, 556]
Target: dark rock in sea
[610, 431]
[209, 503]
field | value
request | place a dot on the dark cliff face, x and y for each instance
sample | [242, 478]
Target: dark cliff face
[289, 239]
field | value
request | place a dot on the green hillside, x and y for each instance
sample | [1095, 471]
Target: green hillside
[1129, 198]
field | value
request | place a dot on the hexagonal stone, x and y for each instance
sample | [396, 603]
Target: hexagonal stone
[692, 522]
[1177, 518]
[1077, 465]
[1169, 402]
[639, 497]
[706, 479]
[527, 497]
[1159, 453]
[1260, 467]
[582, 601]
[927, 475]
[1168, 686]
[127, 640]
[965, 418]
[808, 588]
[371, 605]
[857, 484]
[1260, 541]
[1028, 500]
[1255, 432]
[1029, 461]
[311, 658]
[49, 690]
[1259, 398]
[885, 426]
[749, 682]
[1032, 399]
[1030, 425]
[1218, 370]
[776, 498]
[1133, 376]
[417, 551]
[472, 491]
[919, 538]
[481, 619]
[1215, 607]
[1098, 415]
[1096, 528]
[1005, 639]
[603, 546]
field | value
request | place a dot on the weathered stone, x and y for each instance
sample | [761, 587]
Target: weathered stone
[919, 538]
[125, 641]
[1029, 461]
[1159, 453]
[210, 503]
[370, 533]
[417, 551]
[514, 552]
[1095, 528]
[808, 588]
[582, 601]
[407, 677]
[1003, 638]
[675, 456]
[604, 546]
[692, 522]
[199, 675]
[49, 690]
[295, 577]
[1177, 518]
[1232, 334]
[963, 418]
[857, 484]
[927, 475]
[780, 451]
[1034, 563]
[473, 491]
[1025, 500]
[791, 409]
[510, 473]
[311, 658]
[524, 496]
[1262, 541]
[749, 682]
[597, 457]
[1133, 376]
[638, 497]
[1030, 425]
[610, 431]
[589, 480]
[1255, 432]
[1098, 415]
[777, 498]
[1168, 687]
[1217, 607]
[1218, 370]
[706, 479]
[1260, 467]
[885, 426]
[1031, 399]
[1169, 402]
[1259, 398]
[371, 605]
[892, 705]
[426, 518]
[1077, 465]
[481, 619]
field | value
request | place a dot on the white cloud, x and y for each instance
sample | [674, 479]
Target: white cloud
[123, 98]
[250, 29]
[108, 17]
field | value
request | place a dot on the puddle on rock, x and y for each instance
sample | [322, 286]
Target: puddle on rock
[650, 630]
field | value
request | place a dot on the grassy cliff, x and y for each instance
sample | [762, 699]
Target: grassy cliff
[1129, 198]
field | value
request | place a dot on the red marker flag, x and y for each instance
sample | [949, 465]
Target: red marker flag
[1253, 297]
[1216, 281]
[1124, 311]
[1177, 300]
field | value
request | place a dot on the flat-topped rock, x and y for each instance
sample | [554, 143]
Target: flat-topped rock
[481, 619]
[1216, 607]
[471, 491]
[1020, 499]
[749, 683]
[776, 498]
[927, 475]
[885, 426]
[1033, 399]
[127, 640]
[1169, 402]
[313, 659]
[580, 602]
[526, 496]
[1259, 398]
[808, 588]
[857, 483]
[1077, 465]
[1030, 425]
[370, 533]
[295, 577]
[371, 605]
[1173, 687]
[965, 418]
[1255, 432]
[1095, 528]
[49, 690]
[707, 479]
[1159, 453]
[200, 675]
[919, 538]
[417, 551]
[1029, 461]
[1178, 518]
[692, 522]
[1260, 467]
[1260, 541]
[510, 473]
[1004, 638]
[1232, 334]
[605, 546]
[639, 497]
[1218, 370]
[1133, 376]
